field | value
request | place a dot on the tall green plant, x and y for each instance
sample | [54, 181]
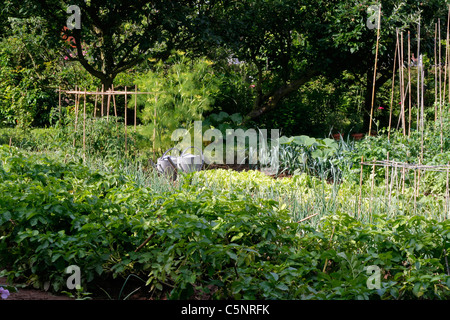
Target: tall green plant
[181, 92]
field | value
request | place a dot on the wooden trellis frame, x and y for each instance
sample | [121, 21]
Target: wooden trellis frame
[109, 93]
[404, 167]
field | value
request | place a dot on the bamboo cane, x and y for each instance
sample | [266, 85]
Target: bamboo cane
[422, 109]
[360, 187]
[393, 88]
[154, 126]
[59, 102]
[76, 114]
[103, 98]
[126, 149]
[445, 74]
[135, 106]
[403, 180]
[418, 74]
[448, 51]
[439, 57]
[95, 104]
[375, 70]
[435, 66]
[415, 192]
[371, 187]
[387, 175]
[400, 79]
[409, 83]
[108, 105]
[402, 84]
[447, 193]
[114, 103]
[84, 127]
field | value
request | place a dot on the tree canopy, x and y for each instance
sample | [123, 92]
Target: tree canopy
[287, 43]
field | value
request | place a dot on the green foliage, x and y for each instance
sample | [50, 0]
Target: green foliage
[182, 92]
[224, 242]
[325, 158]
[30, 74]
[408, 149]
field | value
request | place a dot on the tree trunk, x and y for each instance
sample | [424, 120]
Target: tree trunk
[270, 101]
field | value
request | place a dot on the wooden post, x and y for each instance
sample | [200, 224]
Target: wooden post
[84, 127]
[360, 187]
[392, 89]
[440, 66]
[154, 127]
[447, 195]
[108, 104]
[95, 103]
[59, 102]
[422, 111]
[126, 120]
[114, 103]
[375, 70]
[76, 113]
[415, 190]
[418, 74]
[418, 180]
[371, 187]
[135, 106]
[448, 51]
[445, 75]
[403, 178]
[402, 88]
[386, 177]
[409, 83]
[103, 98]
[435, 66]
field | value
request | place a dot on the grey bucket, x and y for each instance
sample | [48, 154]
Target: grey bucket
[188, 162]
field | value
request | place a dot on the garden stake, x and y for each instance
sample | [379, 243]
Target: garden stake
[95, 102]
[415, 188]
[418, 73]
[402, 84]
[418, 181]
[360, 187]
[114, 103]
[108, 104]
[135, 106]
[440, 66]
[375, 70]
[307, 218]
[386, 174]
[59, 102]
[393, 176]
[445, 72]
[422, 122]
[409, 83]
[84, 127]
[392, 89]
[76, 114]
[403, 178]
[103, 98]
[435, 65]
[447, 56]
[371, 187]
[154, 127]
[125, 120]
